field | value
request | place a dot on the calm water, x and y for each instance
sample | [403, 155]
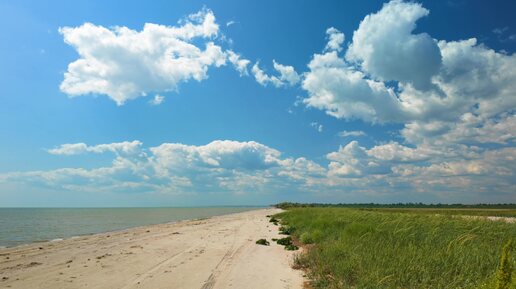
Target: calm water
[29, 225]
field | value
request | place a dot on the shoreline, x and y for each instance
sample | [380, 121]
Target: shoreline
[214, 252]
[61, 237]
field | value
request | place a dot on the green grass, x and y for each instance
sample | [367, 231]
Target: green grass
[511, 213]
[354, 248]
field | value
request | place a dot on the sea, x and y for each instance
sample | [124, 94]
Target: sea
[20, 226]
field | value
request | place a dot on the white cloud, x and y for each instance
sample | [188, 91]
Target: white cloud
[174, 168]
[125, 64]
[238, 62]
[287, 75]
[354, 133]
[317, 126]
[217, 154]
[157, 100]
[231, 22]
[343, 92]
[335, 39]
[390, 170]
[263, 78]
[125, 147]
[445, 92]
[386, 49]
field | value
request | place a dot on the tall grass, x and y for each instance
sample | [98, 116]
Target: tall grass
[509, 213]
[371, 249]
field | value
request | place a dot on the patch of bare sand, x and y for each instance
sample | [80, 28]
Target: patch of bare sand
[219, 252]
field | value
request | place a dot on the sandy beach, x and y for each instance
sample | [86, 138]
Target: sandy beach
[219, 252]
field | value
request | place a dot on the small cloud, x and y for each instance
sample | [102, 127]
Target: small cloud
[287, 75]
[299, 101]
[355, 133]
[502, 33]
[157, 100]
[500, 30]
[317, 126]
[229, 23]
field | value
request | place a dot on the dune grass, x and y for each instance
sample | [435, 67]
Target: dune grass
[509, 213]
[353, 248]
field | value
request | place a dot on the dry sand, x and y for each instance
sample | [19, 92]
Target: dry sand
[219, 252]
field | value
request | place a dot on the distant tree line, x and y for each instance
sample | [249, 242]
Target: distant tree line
[286, 205]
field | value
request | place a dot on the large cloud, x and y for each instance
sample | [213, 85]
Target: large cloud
[232, 167]
[443, 92]
[336, 87]
[385, 47]
[124, 64]
[175, 168]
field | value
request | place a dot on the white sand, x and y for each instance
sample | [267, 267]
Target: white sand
[218, 252]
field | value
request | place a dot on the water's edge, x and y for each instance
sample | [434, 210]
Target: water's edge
[28, 226]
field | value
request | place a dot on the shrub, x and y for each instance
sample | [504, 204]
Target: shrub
[291, 247]
[262, 242]
[286, 230]
[284, 241]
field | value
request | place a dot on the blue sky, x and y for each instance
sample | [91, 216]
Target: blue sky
[228, 102]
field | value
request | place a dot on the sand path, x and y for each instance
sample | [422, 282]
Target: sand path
[219, 252]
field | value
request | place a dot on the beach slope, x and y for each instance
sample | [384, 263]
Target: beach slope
[219, 252]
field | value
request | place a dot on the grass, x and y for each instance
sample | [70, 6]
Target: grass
[354, 248]
[510, 213]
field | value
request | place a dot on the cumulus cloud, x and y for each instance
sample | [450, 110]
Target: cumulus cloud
[444, 174]
[232, 167]
[287, 75]
[343, 92]
[125, 64]
[354, 133]
[125, 147]
[221, 166]
[335, 39]
[443, 92]
[386, 49]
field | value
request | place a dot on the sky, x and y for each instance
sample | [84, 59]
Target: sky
[198, 103]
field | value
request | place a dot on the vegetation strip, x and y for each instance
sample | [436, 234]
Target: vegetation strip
[354, 248]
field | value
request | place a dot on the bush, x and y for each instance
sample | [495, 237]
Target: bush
[286, 230]
[263, 242]
[291, 247]
[285, 241]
